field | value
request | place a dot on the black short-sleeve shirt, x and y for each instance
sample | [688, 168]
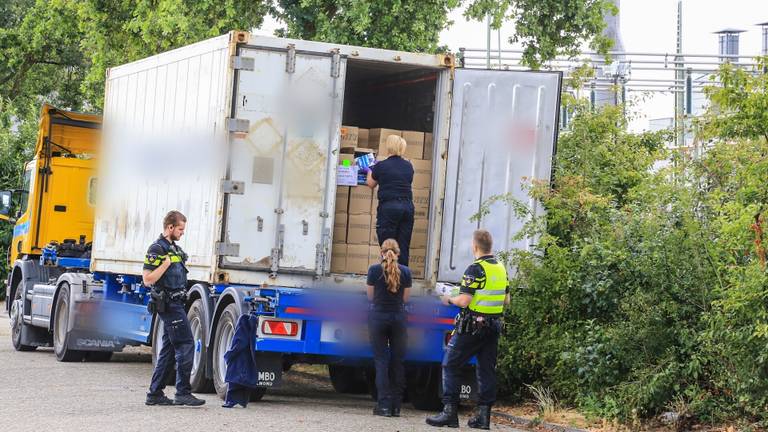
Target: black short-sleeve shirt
[474, 276]
[395, 176]
[383, 299]
[152, 262]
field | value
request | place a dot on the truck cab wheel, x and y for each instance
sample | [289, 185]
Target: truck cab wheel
[196, 316]
[225, 332]
[61, 329]
[17, 321]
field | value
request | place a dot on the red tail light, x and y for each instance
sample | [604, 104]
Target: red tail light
[279, 328]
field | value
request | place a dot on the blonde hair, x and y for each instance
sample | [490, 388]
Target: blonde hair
[395, 145]
[390, 250]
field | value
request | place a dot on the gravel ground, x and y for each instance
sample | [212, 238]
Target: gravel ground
[40, 393]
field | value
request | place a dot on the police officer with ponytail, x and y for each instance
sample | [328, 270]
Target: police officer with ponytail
[389, 286]
[165, 272]
[482, 296]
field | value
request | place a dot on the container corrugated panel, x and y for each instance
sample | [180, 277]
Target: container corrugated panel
[164, 148]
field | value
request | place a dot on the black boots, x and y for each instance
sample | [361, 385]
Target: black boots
[482, 419]
[382, 411]
[160, 399]
[188, 400]
[449, 417]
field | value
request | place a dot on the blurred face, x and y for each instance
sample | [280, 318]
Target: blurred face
[174, 232]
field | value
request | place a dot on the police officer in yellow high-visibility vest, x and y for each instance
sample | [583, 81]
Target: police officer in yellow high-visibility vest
[482, 296]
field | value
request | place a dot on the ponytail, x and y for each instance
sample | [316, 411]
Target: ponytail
[390, 251]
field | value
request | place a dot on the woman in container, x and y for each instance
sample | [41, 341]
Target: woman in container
[389, 286]
[394, 216]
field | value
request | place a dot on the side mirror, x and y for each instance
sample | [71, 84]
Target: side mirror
[5, 205]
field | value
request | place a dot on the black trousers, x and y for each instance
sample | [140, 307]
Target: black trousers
[459, 351]
[178, 348]
[394, 220]
[388, 341]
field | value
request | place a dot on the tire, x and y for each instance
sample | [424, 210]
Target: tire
[347, 379]
[60, 329]
[225, 331]
[157, 345]
[424, 388]
[17, 320]
[257, 394]
[196, 316]
[98, 356]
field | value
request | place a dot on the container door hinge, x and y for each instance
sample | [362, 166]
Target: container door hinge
[227, 249]
[242, 63]
[335, 63]
[233, 187]
[290, 59]
[238, 125]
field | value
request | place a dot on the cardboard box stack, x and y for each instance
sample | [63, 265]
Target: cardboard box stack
[355, 245]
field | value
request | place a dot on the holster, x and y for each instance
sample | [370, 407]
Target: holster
[158, 301]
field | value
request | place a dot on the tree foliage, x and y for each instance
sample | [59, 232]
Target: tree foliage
[547, 28]
[407, 25]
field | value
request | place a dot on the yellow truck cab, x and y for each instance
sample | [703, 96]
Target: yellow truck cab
[54, 207]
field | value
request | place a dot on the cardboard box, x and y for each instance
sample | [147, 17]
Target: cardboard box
[348, 136]
[429, 146]
[357, 259]
[340, 221]
[416, 262]
[342, 199]
[422, 173]
[419, 235]
[346, 157]
[359, 229]
[374, 255]
[338, 258]
[360, 198]
[362, 137]
[377, 139]
[421, 203]
[415, 140]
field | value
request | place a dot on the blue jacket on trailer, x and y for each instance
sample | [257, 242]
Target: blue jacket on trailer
[242, 374]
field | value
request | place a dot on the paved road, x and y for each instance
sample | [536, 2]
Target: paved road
[40, 393]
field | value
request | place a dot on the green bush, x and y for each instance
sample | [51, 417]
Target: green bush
[646, 290]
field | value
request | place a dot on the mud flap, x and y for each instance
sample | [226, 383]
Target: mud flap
[269, 367]
[83, 340]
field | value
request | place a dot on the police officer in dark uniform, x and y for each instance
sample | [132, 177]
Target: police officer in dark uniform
[482, 296]
[165, 272]
[394, 216]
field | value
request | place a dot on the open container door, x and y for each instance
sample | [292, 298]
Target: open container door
[503, 133]
[287, 113]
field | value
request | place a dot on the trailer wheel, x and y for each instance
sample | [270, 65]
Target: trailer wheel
[424, 388]
[196, 316]
[17, 320]
[347, 379]
[61, 329]
[225, 331]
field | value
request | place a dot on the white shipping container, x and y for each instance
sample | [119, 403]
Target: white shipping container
[241, 133]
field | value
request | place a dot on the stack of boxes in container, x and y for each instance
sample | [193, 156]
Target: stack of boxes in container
[355, 245]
